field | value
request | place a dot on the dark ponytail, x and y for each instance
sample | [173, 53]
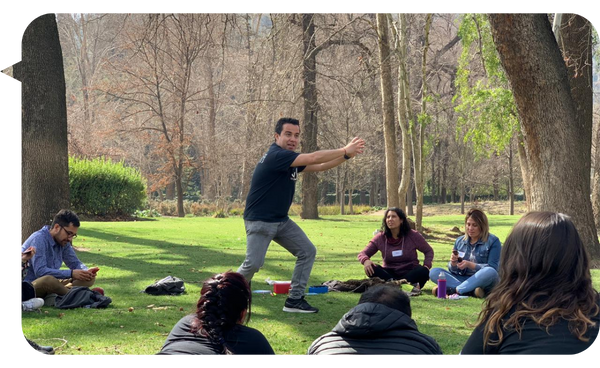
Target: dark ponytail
[224, 297]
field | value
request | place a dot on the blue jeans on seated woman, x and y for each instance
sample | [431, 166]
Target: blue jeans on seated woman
[485, 278]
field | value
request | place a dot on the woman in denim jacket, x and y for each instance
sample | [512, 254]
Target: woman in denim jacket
[473, 266]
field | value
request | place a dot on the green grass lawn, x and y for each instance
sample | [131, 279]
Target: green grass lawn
[133, 255]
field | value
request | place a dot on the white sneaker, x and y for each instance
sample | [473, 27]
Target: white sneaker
[32, 304]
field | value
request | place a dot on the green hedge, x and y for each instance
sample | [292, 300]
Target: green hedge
[104, 188]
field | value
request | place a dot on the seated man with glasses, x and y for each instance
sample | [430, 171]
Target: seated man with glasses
[53, 246]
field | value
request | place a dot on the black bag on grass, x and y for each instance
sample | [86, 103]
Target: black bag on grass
[170, 285]
[82, 297]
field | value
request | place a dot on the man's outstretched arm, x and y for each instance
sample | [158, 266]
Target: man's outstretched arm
[331, 158]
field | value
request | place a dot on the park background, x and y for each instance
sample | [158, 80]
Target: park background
[166, 113]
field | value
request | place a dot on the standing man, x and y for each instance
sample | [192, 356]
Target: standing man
[269, 200]
[53, 247]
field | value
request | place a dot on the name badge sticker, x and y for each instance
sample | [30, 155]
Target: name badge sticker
[397, 253]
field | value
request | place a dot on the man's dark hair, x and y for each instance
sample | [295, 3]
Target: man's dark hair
[66, 217]
[392, 297]
[280, 122]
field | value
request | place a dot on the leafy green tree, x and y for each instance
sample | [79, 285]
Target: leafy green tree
[486, 107]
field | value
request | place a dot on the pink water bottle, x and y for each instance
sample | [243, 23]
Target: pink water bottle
[441, 291]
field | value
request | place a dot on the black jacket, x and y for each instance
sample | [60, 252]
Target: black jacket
[533, 339]
[82, 296]
[372, 328]
[239, 340]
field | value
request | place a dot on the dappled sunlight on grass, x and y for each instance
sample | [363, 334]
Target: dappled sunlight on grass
[133, 255]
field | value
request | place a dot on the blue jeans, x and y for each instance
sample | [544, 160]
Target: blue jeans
[485, 278]
[290, 236]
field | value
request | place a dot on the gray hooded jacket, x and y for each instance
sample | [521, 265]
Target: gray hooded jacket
[373, 328]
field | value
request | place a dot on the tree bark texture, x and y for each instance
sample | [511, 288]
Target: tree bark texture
[596, 182]
[419, 134]
[387, 102]
[309, 127]
[403, 115]
[45, 164]
[550, 119]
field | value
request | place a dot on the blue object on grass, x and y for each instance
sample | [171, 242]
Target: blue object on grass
[318, 289]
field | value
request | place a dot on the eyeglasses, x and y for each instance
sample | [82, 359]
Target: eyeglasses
[70, 234]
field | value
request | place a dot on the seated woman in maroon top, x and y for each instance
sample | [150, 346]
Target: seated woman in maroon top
[398, 244]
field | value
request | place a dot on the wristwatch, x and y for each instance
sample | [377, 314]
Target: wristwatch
[347, 157]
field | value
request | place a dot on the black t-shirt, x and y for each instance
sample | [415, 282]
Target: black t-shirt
[240, 340]
[272, 186]
[534, 340]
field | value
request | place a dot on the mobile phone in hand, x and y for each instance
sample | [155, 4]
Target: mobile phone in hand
[25, 253]
[455, 252]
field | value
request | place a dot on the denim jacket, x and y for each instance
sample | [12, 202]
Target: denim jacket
[484, 254]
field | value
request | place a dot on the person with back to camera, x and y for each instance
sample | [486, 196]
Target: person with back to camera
[398, 245]
[269, 200]
[381, 323]
[545, 302]
[218, 325]
[473, 266]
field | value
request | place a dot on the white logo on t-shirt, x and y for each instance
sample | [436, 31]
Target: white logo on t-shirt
[263, 158]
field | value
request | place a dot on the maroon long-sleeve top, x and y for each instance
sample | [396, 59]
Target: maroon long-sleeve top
[399, 254]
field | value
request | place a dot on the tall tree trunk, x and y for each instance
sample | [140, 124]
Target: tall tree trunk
[554, 128]
[250, 114]
[576, 46]
[179, 189]
[418, 134]
[309, 128]
[45, 164]
[211, 176]
[403, 108]
[511, 185]
[387, 101]
[524, 164]
[596, 182]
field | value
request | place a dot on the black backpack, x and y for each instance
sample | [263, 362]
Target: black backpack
[170, 285]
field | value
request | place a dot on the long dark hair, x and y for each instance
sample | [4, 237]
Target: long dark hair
[404, 227]
[544, 276]
[224, 297]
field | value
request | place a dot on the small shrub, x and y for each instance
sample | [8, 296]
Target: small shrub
[100, 187]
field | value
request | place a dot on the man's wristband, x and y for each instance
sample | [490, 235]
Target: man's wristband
[346, 156]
